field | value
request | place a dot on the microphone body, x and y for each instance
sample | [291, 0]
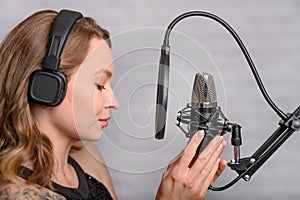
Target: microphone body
[202, 113]
[204, 101]
[207, 122]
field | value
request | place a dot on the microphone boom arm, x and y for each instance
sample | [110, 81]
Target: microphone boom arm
[245, 167]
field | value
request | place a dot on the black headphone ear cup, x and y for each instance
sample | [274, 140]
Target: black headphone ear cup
[47, 88]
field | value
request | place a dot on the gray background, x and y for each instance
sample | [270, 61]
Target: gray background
[269, 28]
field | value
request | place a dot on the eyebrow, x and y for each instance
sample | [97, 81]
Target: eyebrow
[108, 73]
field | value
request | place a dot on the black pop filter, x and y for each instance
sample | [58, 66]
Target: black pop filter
[162, 92]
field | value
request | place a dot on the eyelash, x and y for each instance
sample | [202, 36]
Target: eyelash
[100, 87]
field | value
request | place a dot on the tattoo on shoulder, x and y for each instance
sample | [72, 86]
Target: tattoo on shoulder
[19, 193]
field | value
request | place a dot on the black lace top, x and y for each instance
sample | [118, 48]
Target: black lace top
[89, 188]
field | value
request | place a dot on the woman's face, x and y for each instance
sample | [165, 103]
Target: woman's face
[89, 98]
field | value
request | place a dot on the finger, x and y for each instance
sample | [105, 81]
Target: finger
[202, 167]
[208, 173]
[223, 164]
[221, 168]
[205, 157]
[207, 181]
[181, 161]
[210, 147]
[189, 152]
[212, 169]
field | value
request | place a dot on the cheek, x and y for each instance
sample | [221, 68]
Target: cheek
[98, 102]
[83, 103]
[70, 93]
[84, 114]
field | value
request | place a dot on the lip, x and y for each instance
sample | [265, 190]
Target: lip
[104, 121]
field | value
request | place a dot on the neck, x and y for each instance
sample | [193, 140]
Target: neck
[63, 172]
[59, 136]
[62, 134]
[60, 154]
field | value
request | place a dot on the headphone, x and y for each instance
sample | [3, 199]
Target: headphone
[48, 86]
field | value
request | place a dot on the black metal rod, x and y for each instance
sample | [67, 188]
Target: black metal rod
[272, 144]
[258, 163]
[268, 142]
[270, 152]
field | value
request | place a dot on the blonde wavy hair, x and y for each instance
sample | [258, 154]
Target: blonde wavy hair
[21, 52]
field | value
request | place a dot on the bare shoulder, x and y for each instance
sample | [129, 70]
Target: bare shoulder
[91, 161]
[28, 192]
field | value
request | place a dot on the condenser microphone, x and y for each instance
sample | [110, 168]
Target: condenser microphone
[204, 115]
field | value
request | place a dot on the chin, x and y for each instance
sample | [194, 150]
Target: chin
[92, 137]
[93, 132]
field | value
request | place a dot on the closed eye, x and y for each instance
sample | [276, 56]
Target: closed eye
[100, 87]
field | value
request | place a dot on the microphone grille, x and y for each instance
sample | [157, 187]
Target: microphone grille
[204, 91]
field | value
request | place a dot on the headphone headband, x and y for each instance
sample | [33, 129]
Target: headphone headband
[60, 30]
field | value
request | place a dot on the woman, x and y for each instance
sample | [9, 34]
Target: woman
[37, 160]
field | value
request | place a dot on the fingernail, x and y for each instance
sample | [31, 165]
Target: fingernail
[218, 161]
[200, 134]
[220, 147]
[220, 139]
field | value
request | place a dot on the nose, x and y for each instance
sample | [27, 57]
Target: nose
[112, 102]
